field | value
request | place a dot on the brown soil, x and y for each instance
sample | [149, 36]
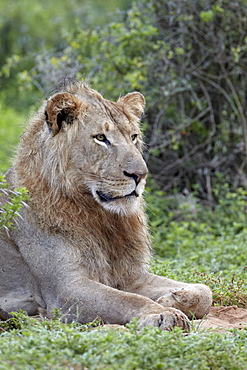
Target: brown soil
[223, 318]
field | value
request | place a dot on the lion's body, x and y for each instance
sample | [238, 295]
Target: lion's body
[82, 243]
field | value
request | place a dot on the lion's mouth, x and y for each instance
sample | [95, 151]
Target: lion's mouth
[107, 198]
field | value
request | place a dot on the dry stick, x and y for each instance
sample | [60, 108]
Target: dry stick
[218, 87]
[240, 110]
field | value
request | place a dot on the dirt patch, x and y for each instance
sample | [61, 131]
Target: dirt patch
[223, 318]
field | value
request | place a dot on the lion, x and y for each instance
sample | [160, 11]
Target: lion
[81, 245]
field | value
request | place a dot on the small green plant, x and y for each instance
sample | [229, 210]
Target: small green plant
[18, 321]
[10, 209]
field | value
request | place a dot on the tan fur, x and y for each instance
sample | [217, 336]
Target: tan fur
[82, 244]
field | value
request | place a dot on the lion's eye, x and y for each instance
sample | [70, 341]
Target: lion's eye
[101, 139]
[134, 138]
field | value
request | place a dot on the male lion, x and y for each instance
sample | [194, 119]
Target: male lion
[82, 243]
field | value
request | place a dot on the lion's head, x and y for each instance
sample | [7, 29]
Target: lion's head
[91, 146]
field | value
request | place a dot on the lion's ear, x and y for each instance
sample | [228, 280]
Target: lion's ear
[63, 108]
[134, 102]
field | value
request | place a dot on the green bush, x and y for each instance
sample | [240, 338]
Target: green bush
[45, 26]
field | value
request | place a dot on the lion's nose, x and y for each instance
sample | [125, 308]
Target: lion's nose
[136, 176]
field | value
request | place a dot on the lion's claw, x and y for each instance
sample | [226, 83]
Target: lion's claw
[166, 320]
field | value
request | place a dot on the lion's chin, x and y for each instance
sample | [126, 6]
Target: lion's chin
[123, 206]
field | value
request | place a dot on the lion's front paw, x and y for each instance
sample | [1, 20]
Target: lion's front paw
[194, 300]
[182, 297]
[166, 320]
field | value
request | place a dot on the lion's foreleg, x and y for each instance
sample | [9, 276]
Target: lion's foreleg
[114, 306]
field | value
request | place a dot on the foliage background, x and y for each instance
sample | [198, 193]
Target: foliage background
[189, 60]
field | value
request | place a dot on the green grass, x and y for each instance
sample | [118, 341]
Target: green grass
[53, 345]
